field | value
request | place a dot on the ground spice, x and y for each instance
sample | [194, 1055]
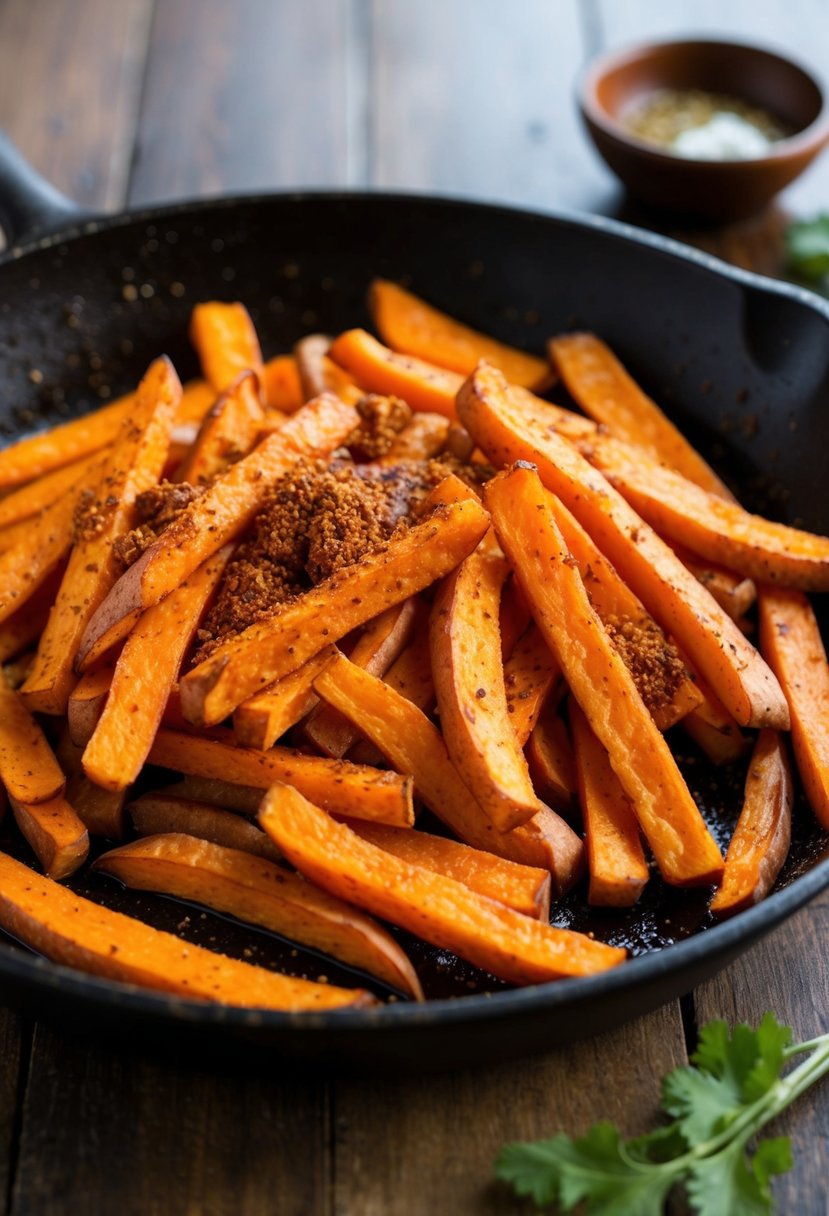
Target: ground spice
[652, 659]
[155, 509]
[381, 421]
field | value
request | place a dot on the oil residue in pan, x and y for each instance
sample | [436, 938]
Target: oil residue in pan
[663, 916]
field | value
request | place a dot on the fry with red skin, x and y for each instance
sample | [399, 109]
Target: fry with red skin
[319, 374]
[228, 431]
[28, 768]
[551, 763]
[599, 680]
[226, 343]
[272, 648]
[57, 836]
[524, 888]
[608, 394]
[101, 810]
[159, 812]
[440, 910]
[422, 385]
[413, 745]
[736, 594]
[760, 843]
[135, 466]
[337, 785]
[714, 730]
[212, 520]
[86, 703]
[69, 929]
[674, 598]
[615, 858]
[790, 640]
[259, 892]
[411, 326]
[144, 675]
[264, 718]
[471, 693]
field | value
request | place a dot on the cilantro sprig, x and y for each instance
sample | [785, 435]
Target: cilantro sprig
[807, 248]
[733, 1087]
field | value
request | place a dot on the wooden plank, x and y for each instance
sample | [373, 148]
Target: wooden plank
[426, 1145]
[15, 1034]
[476, 98]
[797, 29]
[787, 973]
[112, 1129]
[70, 75]
[244, 96]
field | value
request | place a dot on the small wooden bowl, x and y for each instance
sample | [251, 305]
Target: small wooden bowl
[711, 190]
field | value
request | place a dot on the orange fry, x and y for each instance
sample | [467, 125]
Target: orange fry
[379, 370]
[550, 758]
[28, 768]
[226, 343]
[319, 374]
[228, 431]
[282, 385]
[159, 812]
[32, 498]
[444, 912]
[264, 718]
[59, 838]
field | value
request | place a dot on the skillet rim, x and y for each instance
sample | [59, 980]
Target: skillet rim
[722, 941]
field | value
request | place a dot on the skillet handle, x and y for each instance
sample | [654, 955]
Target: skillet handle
[29, 205]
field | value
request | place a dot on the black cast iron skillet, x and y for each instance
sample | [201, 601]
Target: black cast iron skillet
[742, 364]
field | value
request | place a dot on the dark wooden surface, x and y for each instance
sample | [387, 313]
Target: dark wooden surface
[131, 101]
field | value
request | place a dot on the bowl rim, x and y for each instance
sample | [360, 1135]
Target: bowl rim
[810, 139]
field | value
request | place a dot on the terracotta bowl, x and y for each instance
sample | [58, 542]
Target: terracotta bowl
[710, 190]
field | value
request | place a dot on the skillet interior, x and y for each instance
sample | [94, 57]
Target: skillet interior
[743, 367]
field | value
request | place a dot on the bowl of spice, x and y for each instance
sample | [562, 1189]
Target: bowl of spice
[710, 130]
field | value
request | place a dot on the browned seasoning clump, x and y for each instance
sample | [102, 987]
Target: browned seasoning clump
[652, 659]
[381, 421]
[155, 509]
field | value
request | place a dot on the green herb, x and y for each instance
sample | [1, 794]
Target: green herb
[733, 1088]
[807, 247]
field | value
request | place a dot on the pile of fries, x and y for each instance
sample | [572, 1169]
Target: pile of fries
[510, 659]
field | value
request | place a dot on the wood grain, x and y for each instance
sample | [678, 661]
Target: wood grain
[14, 1044]
[245, 96]
[107, 1130]
[423, 1146]
[70, 75]
[476, 97]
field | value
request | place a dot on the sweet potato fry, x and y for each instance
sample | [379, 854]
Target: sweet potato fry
[239, 799]
[135, 466]
[342, 788]
[716, 528]
[421, 439]
[471, 691]
[760, 843]
[72, 930]
[607, 393]
[674, 598]
[411, 326]
[28, 768]
[57, 836]
[158, 812]
[444, 912]
[599, 680]
[226, 343]
[714, 730]
[319, 374]
[732, 592]
[615, 858]
[261, 720]
[379, 370]
[271, 649]
[530, 673]
[24, 627]
[213, 520]
[524, 888]
[551, 763]
[376, 649]
[261, 893]
[101, 810]
[282, 385]
[33, 498]
[144, 675]
[86, 703]
[227, 433]
[790, 639]
[411, 677]
[413, 745]
[662, 680]
[42, 546]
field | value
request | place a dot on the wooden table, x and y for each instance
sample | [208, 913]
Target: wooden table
[123, 102]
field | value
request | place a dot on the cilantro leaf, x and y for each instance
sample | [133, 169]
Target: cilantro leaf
[702, 1104]
[807, 247]
[731, 1182]
[594, 1169]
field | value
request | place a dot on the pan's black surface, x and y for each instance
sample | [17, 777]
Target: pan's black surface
[742, 364]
